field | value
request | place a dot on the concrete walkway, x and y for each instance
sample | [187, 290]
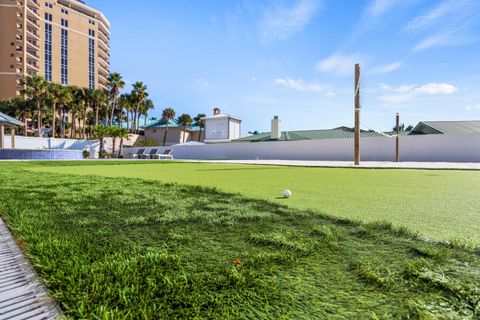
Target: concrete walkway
[348, 164]
[22, 296]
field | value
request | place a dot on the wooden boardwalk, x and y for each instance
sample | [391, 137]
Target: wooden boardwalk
[22, 296]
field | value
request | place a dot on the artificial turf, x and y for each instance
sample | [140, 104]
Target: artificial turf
[114, 248]
[440, 204]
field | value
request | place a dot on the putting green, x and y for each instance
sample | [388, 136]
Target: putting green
[439, 204]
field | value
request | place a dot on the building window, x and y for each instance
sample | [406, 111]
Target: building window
[91, 59]
[64, 52]
[48, 5]
[65, 11]
[48, 17]
[91, 21]
[48, 48]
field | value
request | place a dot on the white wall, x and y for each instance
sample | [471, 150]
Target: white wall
[216, 129]
[435, 148]
[22, 142]
[234, 129]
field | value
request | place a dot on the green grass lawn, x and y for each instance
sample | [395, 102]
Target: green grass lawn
[128, 248]
[442, 205]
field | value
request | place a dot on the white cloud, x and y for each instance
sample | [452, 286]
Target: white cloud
[406, 93]
[385, 87]
[436, 88]
[299, 85]
[437, 13]
[379, 7]
[338, 64]
[386, 68]
[437, 40]
[450, 23]
[281, 22]
[473, 107]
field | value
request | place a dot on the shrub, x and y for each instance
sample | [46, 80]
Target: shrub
[86, 154]
[103, 154]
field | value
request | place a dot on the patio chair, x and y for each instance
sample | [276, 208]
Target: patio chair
[138, 155]
[166, 155]
[150, 154]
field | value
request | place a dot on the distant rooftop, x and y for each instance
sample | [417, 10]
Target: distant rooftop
[310, 135]
[171, 124]
[447, 127]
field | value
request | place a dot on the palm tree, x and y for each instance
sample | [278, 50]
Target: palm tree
[200, 123]
[122, 134]
[168, 115]
[185, 120]
[98, 97]
[36, 88]
[65, 97]
[147, 105]
[100, 133]
[124, 102]
[115, 84]
[139, 94]
[76, 108]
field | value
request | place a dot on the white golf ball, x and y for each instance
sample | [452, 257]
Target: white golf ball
[287, 193]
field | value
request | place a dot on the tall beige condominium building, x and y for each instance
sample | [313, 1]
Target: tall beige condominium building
[64, 41]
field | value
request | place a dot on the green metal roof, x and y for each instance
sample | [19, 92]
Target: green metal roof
[9, 121]
[172, 124]
[447, 127]
[309, 135]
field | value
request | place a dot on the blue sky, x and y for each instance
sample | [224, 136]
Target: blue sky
[260, 58]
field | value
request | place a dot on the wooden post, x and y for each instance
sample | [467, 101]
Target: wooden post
[2, 136]
[357, 114]
[12, 132]
[397, 144]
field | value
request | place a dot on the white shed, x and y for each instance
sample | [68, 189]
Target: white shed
[221, 127]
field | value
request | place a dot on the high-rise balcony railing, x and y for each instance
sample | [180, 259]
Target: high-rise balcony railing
[32, 35]
[103, 44]
[32, 55]
[34, 3]
[32, 14]
[33, 45]
[33, 24]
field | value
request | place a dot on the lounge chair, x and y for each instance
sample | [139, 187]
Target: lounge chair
[167, 155]
[150, 154]
[138, 155]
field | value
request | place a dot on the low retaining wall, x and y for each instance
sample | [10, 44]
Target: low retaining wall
[34, 143]
[47, 154]
[417, 148]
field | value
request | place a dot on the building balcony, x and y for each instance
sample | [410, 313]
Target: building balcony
[34, 4]
[32, 45]
[32, 36]
[32, 55]
[33, 24]
[103, 44]
[32, 66]
[103, 37]
[103, 54]
[32, 14]
[102, 69]
[103, 78]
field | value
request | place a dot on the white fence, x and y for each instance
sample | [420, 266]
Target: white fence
[421, 148]
[34, 143]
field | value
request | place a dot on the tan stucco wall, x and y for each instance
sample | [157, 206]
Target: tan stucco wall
[8, 33]
[174, 135]
[78, 44]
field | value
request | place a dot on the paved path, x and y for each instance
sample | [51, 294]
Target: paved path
[348, 164]
[21, 294]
